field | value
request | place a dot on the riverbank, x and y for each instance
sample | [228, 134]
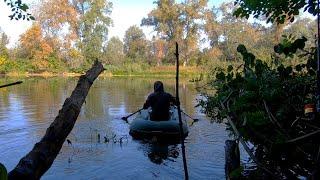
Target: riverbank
[157, 71]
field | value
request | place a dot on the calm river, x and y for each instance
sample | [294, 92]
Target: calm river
[26, 110]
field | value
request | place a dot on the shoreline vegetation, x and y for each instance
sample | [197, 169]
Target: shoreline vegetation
[264, 77]
[156, 71]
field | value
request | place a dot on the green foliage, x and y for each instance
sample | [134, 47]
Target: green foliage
[226, 34]
[178, 22]
[236, 174]
[289, 47]
[26, 65]
[267, 99]
[278, 11]
[3, 172]
[165, 19]
[114, 52]
[3, 42]
[135, 43]
[87, 21]
[15, 66]
[56, 65]
[93, 29]
[19, 10]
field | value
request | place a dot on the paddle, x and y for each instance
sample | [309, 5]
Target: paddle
[194, 119]
[126, 117]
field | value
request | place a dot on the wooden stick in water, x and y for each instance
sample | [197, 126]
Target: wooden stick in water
[11, 84]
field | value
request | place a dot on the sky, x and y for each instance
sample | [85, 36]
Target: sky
[125, 13]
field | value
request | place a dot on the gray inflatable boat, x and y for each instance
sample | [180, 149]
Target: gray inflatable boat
[143, 127]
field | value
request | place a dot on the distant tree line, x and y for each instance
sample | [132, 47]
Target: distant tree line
[69, 35]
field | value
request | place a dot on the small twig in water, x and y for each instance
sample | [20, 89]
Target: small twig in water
[69, 142]
[106, 139]
[98, 137]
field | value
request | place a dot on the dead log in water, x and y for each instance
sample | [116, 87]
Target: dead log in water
[41, 157]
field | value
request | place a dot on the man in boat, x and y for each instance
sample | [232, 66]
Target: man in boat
[160, 102]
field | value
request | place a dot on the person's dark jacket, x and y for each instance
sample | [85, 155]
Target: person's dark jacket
[160, 102]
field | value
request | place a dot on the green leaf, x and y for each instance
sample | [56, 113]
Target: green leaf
[241, 49]
[221, 76]
[24, 7]
[236, 174]
[256, 118]
[3, 172]
[298, 67]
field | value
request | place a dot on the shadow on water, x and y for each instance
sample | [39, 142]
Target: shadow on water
[159, 153]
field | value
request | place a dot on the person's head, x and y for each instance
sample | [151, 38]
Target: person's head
[158, 86]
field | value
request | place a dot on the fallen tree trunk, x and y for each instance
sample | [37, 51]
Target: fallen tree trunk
[41, 157]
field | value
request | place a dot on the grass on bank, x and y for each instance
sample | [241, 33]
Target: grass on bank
[28, 68]
[53, 67]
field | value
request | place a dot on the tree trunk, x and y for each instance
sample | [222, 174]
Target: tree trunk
[232, 157]
[41, 157]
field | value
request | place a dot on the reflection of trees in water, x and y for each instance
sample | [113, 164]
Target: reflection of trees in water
[41, 98]
[132, 91]
[158, 153]
[129, 92]
[4, 94]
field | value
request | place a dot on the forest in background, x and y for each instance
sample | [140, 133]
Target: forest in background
[269, 97]
[67, 36]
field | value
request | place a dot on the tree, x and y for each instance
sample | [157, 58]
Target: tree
[3, 43]
[158, 49]
[54, 16]
[35, 46]
[226, 34]
[135, 43]
[303, 27]
[212, 27]
[193, 12]
[34, 164]
[93, 26]
[165, 20]
[236, 31]
[264, 101]
[114, 51]
[178, 23]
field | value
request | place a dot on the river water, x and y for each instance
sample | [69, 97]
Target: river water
[26, 110]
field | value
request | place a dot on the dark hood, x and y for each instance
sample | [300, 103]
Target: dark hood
[158, 86]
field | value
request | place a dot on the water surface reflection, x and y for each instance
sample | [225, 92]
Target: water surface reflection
[26, 111]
